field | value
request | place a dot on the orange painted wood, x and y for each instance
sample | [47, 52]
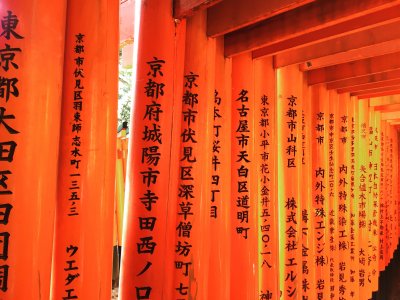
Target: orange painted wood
[192, 248]
[355, 54]
[29, 138]
[319, 98]
[219, 202]
[360, 204]
[359, 23]
[387, 116]
[244, 231]
[307, 24]
[383, 200]
[367, 79]
[148, 254]
[343, 205]
[231, 15]
[86, 178]
[309, 283]
[375, 91]
[388, 246]
[186, 8]
[387, 108]
[369, 86]
[289, 172]
[353, 284]
[332, 139]
[356, 68]
[380, 94]
[267, 185]
[349, 43]
[374, 191]
[175, 156]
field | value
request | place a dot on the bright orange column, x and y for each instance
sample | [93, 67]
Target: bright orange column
[244, 280]
[320, 196]
[393, 211]
[383, 201]
[265, 156]
[289, 131]
[373, 192]
[333, 194]
[353, 201]
[220, 189]
[86, 178]
[386, 195]
[308, 283]
[196, 164]
[149, 222]
[361, 199]
[32, 45]
[343, 195]
[395, 186]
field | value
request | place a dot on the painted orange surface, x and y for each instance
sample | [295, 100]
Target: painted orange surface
[265, 156]
[86, 178]
[148, 232]
[220, 204]
[289, 162]
[343, 198]
[243, 232]
[194, 168]
[307, 211]
[320, 184]
[31, 80]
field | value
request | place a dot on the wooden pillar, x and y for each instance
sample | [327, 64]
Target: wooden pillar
[265, 156]
[374, 191]
[149, 223]
[333, 172]
[308, 286]
[354, 231]
[195, 164]
[244, 280]
[289, 134]
[320, 200]
[32, 44]
[343, 195]
[220, 202]
[86, 179]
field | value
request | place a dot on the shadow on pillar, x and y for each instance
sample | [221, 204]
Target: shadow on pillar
[116, 266]
[389, 280]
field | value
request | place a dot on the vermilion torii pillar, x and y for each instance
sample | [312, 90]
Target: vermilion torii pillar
[31, 56]
[86, 178]
[149, 225]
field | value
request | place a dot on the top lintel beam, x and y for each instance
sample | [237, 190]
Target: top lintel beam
[231, 15]
[309, 23]
[186, 8]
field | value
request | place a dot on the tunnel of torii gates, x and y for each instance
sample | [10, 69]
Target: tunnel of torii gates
[262, 159]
